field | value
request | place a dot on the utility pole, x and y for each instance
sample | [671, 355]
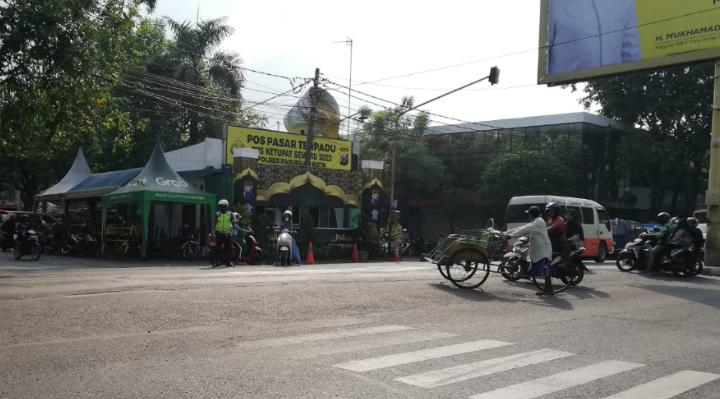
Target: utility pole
[393, 161]
[311, 123]
[712, 249]
[349, 42]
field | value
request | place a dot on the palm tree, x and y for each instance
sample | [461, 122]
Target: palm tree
[199, 62]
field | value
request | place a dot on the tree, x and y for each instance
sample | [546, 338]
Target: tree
[418, 171]
[199, 62]
[525, 173]
[89, 73]
[59, 63]
[673, 109]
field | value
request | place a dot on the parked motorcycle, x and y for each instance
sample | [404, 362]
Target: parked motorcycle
[190, 249]
[284, 248]
[251, 252]
[680, 260]
[26, 242]
[81, 245]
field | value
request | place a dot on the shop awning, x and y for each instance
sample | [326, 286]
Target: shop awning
[79, 171]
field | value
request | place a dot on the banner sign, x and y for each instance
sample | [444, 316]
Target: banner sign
[583, 39]
[276, 148]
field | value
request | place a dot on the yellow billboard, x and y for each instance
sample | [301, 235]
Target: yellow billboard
[583, 39]
[276, 148]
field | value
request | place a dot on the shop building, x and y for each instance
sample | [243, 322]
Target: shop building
[588, 143]
[264, 171]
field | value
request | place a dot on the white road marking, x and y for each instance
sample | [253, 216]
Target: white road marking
[560, 381]
[378, 342]
[299, 339]
[469, 371]
[418, 356]
[668, 386]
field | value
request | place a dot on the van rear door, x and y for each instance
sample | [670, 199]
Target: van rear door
[604, 228]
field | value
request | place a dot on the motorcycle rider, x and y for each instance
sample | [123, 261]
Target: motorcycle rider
[556, 229]
[661, 237]
[8, 230]
[540, 247]
[223, 231]
[287, 223]
[238, 231]
[697, 234]
[573, 230]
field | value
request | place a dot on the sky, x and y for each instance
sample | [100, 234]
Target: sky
[391, 38]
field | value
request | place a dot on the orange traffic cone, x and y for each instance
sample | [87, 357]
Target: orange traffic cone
[397, 252]
[355, 253]
[310, 255]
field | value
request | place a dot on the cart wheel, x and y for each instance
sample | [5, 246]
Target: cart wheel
[443, 271]
[468, 269]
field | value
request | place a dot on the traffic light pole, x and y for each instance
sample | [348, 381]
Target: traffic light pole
[712, 248]
[494, 78]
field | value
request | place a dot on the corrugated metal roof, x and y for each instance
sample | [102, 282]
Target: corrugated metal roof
[531, 121]
[102, 183]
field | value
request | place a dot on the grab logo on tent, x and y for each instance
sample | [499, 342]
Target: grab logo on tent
[141, 182]
[171, 182]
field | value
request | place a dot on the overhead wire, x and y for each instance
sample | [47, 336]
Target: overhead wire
[165, 89]
[540, 48]
[190, 87]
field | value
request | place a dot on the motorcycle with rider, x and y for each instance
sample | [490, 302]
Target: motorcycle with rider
[675, 247]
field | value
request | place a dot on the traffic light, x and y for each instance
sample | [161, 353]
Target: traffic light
[494, 75]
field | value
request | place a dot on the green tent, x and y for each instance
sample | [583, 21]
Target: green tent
[157, 182]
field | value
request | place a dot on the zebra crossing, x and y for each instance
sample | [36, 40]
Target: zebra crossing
[386, 336]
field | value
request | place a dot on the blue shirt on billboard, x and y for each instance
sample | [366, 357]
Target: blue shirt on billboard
[585, 34]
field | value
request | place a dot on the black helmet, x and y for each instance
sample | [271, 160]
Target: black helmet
[693, 222]
[534, 212]
[663, 217]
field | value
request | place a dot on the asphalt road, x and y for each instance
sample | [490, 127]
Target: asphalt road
[85, 328]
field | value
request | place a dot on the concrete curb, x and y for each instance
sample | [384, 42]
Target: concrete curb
[711, 270]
